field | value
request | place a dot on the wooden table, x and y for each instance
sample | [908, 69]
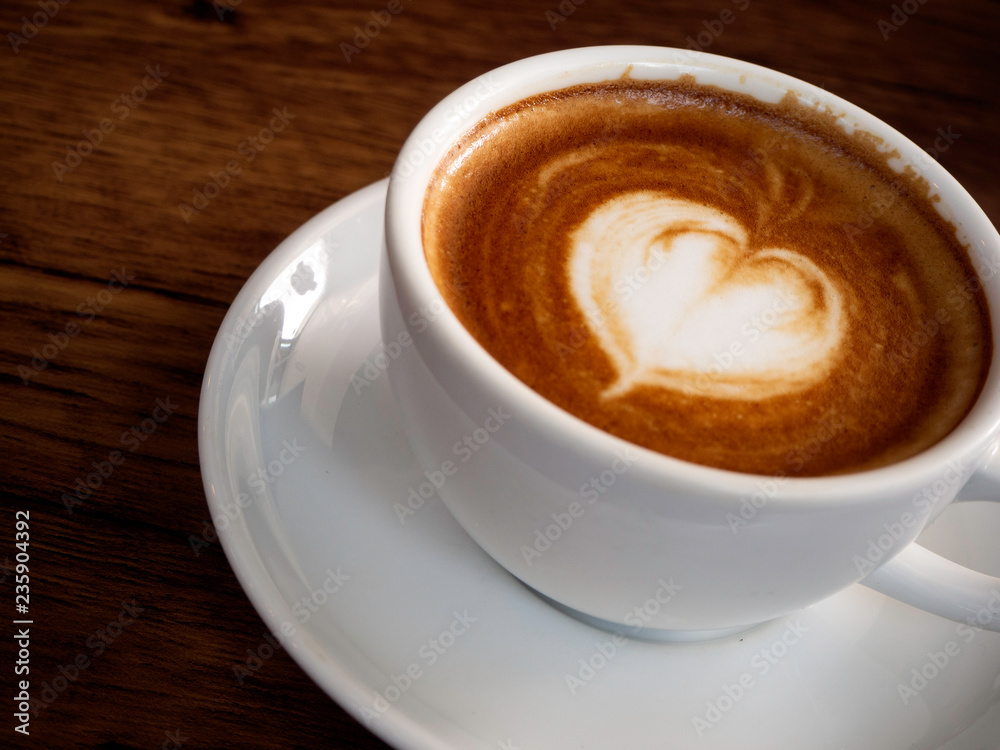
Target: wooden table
[118, 261]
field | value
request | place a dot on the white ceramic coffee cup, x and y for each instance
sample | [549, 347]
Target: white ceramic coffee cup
[628, 538]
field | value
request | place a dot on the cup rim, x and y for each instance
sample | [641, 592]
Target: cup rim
[975, 435]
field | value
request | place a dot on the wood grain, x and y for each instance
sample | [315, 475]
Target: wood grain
[64, 233]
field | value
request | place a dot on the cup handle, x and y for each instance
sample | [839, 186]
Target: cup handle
[933, 583]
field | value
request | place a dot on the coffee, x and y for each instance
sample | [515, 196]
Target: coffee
[733, 283]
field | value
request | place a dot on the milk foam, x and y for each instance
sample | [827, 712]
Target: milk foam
[710, 276]
[677, 300]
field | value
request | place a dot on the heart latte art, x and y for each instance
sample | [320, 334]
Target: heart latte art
[671, 282]
[728, 282]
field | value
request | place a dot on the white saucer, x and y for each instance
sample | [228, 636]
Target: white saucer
[462, 655]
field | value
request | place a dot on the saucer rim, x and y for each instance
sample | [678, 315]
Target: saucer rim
[346, 688]
[335, 676]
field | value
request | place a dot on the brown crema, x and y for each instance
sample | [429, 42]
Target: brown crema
[725, 281]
